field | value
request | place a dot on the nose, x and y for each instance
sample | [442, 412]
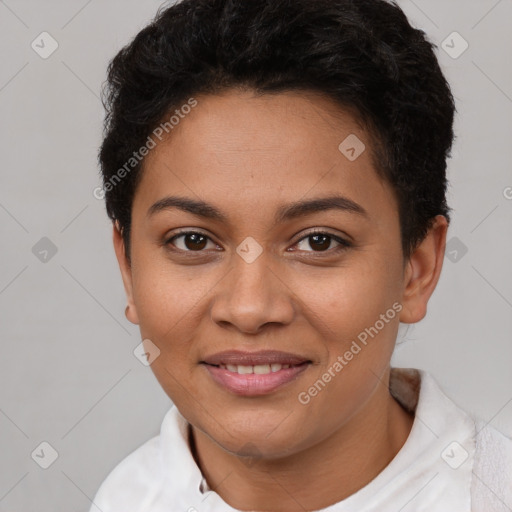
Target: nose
[251, 296]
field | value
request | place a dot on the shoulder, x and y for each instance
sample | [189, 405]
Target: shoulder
[492, 471]
[131, 482]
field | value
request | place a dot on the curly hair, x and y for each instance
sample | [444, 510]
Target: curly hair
[362, 54]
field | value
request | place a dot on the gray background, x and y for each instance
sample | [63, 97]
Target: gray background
[68, 373]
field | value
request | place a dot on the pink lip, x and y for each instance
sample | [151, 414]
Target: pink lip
[253, 384]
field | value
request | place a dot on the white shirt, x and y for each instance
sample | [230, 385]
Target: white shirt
[449, 463]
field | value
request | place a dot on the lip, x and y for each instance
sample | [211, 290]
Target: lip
[253, 384]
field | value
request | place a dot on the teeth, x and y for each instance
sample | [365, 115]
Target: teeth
[260, 369]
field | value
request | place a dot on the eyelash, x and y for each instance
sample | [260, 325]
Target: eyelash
[343, 244]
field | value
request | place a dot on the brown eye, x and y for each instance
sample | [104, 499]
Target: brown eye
[191, 241]
[321, 242]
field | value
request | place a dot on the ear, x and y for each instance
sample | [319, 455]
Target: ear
[126, 273]
[422, 272]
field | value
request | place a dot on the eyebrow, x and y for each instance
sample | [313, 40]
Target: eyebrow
[285, 213]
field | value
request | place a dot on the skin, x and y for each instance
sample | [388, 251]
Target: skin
[247, 155]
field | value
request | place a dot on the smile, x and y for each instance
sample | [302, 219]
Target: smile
[254, 374]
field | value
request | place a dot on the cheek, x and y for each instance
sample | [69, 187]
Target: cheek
[356, 309]
[349, 299]
[168, 306]
[168, 297]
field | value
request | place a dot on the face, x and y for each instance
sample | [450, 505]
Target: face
[283, 251]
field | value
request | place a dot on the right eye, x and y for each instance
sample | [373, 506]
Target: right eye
[189, 241]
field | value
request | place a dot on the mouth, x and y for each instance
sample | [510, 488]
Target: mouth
[254, 373]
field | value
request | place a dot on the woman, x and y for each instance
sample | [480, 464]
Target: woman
[275, 175]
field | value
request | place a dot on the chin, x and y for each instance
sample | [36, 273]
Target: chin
[256, 439]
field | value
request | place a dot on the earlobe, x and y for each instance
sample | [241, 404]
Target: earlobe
[126, 273]
[422, 272]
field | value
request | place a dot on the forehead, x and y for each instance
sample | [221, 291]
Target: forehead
[241, 151]
[265, 124]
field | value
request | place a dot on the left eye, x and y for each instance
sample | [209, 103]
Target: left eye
[321, 242]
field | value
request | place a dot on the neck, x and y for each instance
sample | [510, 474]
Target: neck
[317, 477]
